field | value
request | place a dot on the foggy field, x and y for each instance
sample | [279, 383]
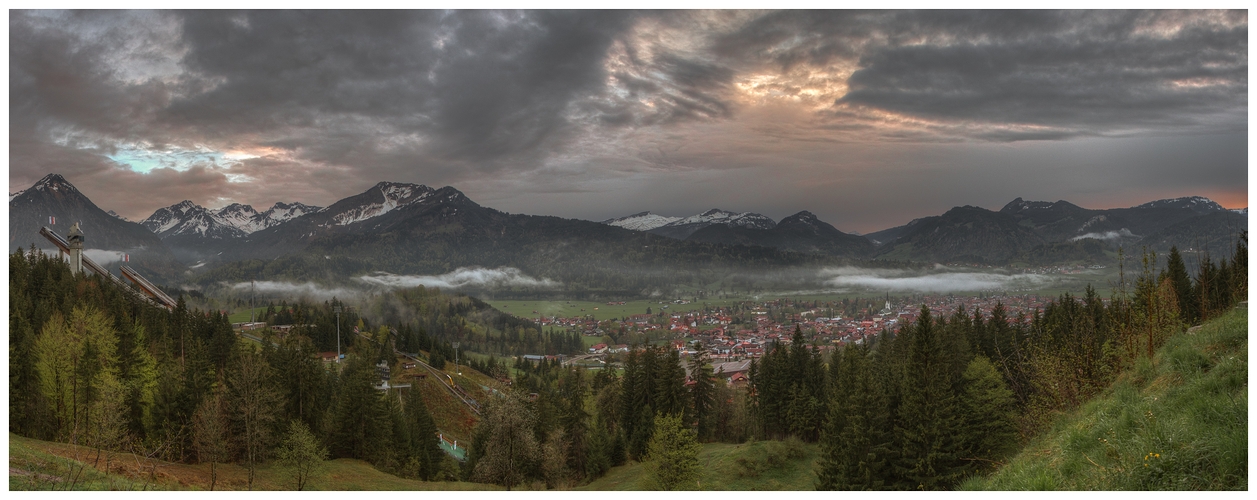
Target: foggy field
[1051, 285]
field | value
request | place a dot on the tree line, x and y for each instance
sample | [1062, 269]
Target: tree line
[92, 365]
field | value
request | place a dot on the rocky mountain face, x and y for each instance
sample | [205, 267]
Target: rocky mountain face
[231, 221]
[355, 215]
[195, 233]
[189, 220]
[107, 237]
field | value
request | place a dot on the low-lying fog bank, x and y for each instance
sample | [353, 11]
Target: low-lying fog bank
[476, 280]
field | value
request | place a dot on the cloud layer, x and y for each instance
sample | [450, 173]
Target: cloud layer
[899, 281]
[1107, 235]
[461, 277]
[594, 114]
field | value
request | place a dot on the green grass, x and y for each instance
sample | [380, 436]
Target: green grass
[242, 316]
[568, 309]
[759, 465]
[33, 468]
[43, 465]
[1177, 422]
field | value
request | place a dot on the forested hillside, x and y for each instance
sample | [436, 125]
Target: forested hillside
[90, 365]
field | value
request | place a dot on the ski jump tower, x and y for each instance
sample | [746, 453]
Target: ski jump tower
[76, 249]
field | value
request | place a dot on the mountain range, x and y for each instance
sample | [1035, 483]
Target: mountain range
[1023, 229]
[409, 228]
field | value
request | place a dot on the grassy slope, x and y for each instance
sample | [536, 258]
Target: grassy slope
[722, 469]
[43, 465]
[243, 315]
[1178, 422]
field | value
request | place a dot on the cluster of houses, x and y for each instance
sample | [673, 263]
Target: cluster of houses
[729, 340]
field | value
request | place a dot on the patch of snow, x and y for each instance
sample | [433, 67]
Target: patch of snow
[644, 221]
[717, 216]
[392, 196]
[15, 195]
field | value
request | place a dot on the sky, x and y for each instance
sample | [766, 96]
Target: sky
[868, 119]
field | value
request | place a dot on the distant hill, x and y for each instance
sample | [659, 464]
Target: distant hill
[802, 232]
[1038, 232]
[968, 234]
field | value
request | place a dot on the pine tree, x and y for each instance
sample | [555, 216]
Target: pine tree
[670, 385]
[424, 442]
[672, 462]
[702, 393]
[1176, 272]
[927, 420]
[855, 444]
[990, 413]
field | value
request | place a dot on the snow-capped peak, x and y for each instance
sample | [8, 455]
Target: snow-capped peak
[188, 218]
[718, 216]
[53, 182]
[643, 221]
[283, 212]
[379, 200]
[646, 221]
[185, 206]
[240, 216]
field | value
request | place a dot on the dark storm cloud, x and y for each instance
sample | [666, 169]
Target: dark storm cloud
[57, 76]
[476, 85]
[1077, 81]
[1079, 73]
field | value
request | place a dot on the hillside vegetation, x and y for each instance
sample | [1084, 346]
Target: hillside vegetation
[1179, 422]
[45, 465]
[752, 466]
